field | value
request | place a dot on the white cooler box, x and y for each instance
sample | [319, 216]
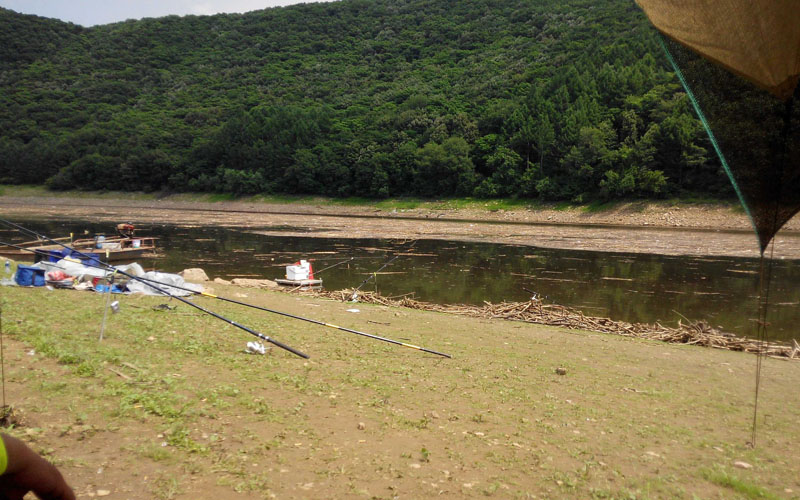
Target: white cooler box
[300, 272]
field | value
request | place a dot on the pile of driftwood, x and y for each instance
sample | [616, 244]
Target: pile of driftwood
[534, 311]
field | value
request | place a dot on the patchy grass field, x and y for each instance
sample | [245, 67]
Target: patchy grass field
[169, 405]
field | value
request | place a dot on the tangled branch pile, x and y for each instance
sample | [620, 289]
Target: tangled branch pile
[534, 311]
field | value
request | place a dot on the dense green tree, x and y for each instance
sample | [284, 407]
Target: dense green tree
[552, 99]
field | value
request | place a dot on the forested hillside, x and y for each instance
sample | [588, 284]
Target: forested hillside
[555, 99]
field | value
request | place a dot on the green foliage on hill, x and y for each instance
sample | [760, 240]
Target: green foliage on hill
[494, 98]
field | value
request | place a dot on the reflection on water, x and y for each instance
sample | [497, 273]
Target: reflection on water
[630, 287]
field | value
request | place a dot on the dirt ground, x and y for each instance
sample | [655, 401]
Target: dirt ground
[169, 406]
[658, 228]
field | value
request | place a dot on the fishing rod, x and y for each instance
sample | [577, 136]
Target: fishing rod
[354, 297]
[334, 265]
[316, 322]
[273, 311]
[162, 291]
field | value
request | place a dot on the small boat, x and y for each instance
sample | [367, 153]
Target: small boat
[113, 249]
[125, 247]
[25, 252]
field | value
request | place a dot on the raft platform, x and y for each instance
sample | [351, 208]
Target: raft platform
[300, 283]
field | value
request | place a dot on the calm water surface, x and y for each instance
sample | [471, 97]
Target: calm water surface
[630, 287]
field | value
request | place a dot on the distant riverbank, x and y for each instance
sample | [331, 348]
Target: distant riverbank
[667, 228]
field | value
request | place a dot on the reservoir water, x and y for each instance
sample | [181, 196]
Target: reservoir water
[629, 287]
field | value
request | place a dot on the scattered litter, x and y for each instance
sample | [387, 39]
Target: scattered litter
[114, 307]
[742, 465]
[256, 348]
[353, 310]
[164, 307]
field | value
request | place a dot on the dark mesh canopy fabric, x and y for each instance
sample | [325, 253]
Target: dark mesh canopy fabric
[758, 135]
[740, 62]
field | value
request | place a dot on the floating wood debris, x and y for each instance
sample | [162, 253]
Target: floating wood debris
[534, 311]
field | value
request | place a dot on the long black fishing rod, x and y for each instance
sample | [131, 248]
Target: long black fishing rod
[375, 273]
[316, 322]
[162, 291]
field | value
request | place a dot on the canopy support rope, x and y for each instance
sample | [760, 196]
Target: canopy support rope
[766, 278]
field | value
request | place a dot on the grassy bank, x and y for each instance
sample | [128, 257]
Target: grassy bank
[490, 205]
[169, 405]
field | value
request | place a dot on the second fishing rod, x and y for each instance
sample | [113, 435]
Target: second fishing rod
[373, 274]
[111, 268]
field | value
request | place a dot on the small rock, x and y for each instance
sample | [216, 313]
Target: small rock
[561, 371]
[742, 465]
[433, 414]
[151, 338]
[414, 466]
[221, 281]
[788, 490]
[362, 426]
[653, 454]
[103, 493]
[194, 274]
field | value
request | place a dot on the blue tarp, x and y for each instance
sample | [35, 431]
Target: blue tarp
[86, 258]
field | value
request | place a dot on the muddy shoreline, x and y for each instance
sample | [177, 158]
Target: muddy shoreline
[654, 228]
